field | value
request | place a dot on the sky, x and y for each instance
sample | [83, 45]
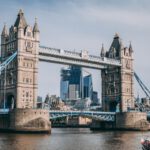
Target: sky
[85, 25]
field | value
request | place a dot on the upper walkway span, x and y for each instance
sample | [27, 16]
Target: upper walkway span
[75, 58]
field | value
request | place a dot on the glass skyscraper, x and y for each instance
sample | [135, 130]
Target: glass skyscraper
[71, 83]
[88, 86]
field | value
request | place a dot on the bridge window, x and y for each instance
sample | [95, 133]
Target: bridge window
[27, 94]
[27, 80]
[28, 34]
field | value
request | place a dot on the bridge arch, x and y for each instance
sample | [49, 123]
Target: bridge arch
[10, 101]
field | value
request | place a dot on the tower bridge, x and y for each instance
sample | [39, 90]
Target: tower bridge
[20, 55]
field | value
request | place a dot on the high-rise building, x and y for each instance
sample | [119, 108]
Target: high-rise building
[71, 83]
[64, 85]
[88, 86]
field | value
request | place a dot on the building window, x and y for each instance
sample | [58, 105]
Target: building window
[28, 44]
[27, 80]
[27, 94]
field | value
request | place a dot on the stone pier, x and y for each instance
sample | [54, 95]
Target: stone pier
[132, 121]
[124, 121]
[26, 120]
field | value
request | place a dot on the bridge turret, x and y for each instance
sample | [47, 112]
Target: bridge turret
[4, 31]
[115, 48]
[4, 36]
[20, 24]
[102, 54]
[36, 31]
[130, 49]
[20, 21]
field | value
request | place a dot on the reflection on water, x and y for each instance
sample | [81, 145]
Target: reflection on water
[73, 139]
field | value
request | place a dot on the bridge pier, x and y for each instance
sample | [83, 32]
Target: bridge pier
[132, 121]
[124, 121]
[102, 125]
[26, 120]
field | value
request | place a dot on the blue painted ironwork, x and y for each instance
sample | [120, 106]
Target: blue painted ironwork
[4, 64]
[101, 116]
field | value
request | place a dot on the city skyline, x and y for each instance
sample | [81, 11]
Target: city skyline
[85, 25]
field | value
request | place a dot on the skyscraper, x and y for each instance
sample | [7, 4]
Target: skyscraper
[64, 85]
[71, 83]
[88, 86]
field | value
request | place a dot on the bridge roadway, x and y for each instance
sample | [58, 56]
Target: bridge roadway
[75, 58]
[96, 115]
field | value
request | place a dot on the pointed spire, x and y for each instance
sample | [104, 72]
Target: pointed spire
[4, 31]
[116, 35]
[121, 44]
[20, 12]
[102, 51]
[36, 28]
[130, 47]
[20, 21]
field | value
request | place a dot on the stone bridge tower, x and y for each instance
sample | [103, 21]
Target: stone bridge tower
[20, 88]
[117, 83]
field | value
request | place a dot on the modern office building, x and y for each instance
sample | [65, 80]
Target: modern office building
[88, 86]
[71, 83]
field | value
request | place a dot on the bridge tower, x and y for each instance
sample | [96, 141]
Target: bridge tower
[19, 79]
[117, 83]
[19, 90]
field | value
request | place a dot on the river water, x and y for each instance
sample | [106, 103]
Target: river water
[73, 139]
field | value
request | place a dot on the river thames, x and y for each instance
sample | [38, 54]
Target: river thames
[73, 139]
